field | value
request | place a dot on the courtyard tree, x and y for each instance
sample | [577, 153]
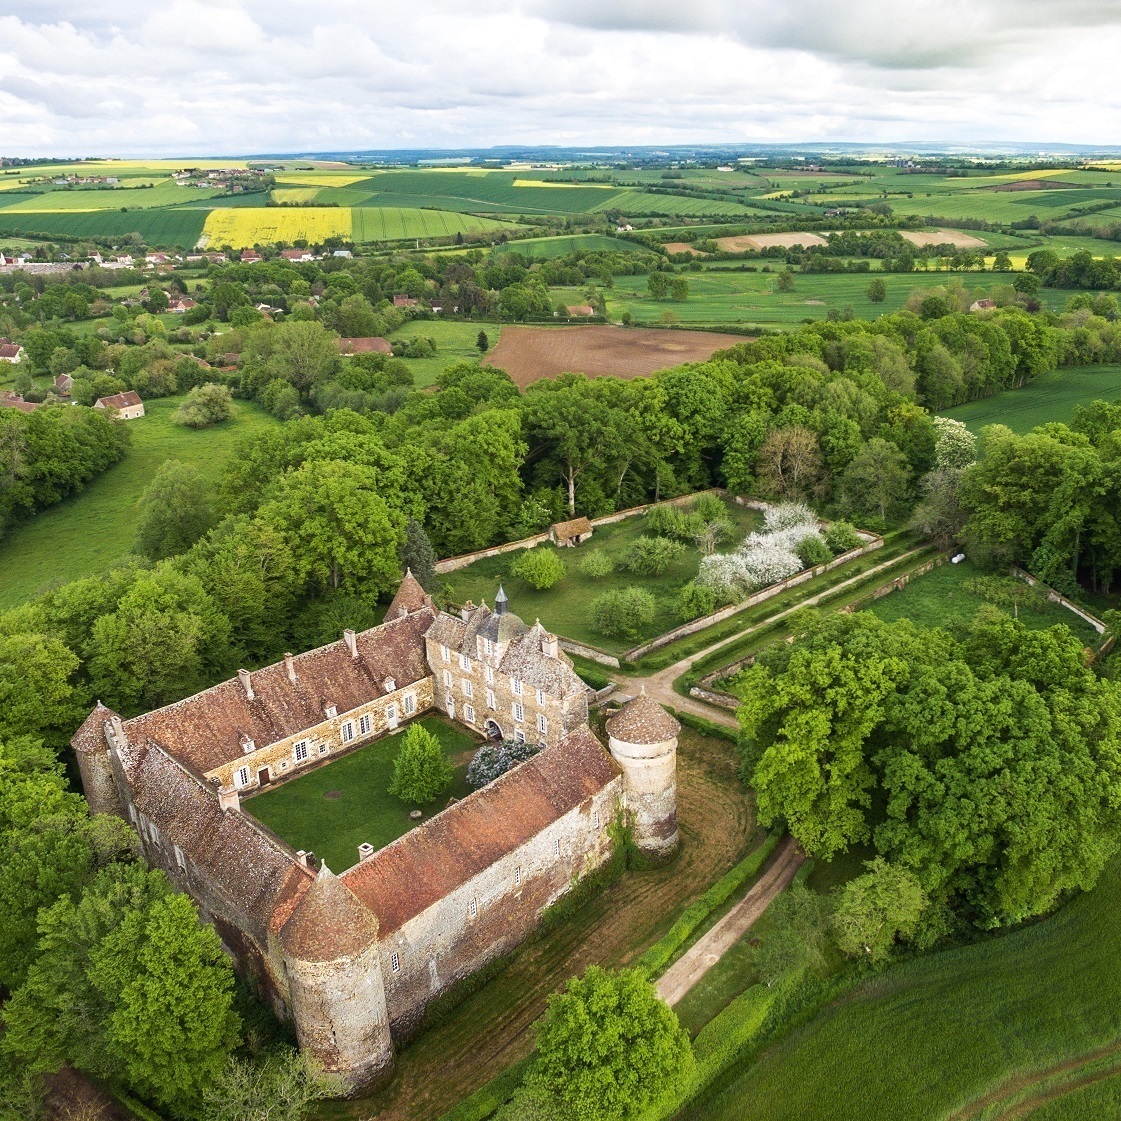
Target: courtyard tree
[175, 511]
[539, 567]
[875, 909]
[420, 771]
[623, 612]
[608, 1046]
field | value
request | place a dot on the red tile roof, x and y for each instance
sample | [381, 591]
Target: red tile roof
[10, 350]
[417, 870]
[365, 346]
[329, 923]
[15, 401]
[123, 400]
[205, 730]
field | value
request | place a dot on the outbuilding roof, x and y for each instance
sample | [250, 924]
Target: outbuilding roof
[577, 527]
[419, 869]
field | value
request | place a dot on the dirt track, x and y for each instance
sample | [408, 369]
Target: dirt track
[528, 354]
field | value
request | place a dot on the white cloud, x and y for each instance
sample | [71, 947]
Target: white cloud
[243, 76]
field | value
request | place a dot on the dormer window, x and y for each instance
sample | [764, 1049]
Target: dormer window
[331, 711]
[390, 685]
[488, 647]
[247, 745]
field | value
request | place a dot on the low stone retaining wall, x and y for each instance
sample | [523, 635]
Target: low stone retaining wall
[722, 700]
[1055, 597]
[761, 596]
[589, 652]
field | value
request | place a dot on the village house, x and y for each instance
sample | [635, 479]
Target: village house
[127, 405]
[297, 254]
[10, 352]
[405, 301]
[9, 400]
[177, 305]
[579, 311]
[250, 256]
[63, 385]
[353, 956]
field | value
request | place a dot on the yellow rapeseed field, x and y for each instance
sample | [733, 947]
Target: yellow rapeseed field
[295, 194]
[245, 226]
[546, 183]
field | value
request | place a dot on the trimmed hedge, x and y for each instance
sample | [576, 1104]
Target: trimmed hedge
[658, 957]
[492, 1095]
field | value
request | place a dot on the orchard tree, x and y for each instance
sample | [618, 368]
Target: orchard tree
[955, 446]
[608, 1046]
[623, 612]
[420, 771]
[790, 465]
[540, 568]
[175, 511]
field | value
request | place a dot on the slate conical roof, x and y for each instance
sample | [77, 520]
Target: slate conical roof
[329, 923]
[642, 721]
[501, 603]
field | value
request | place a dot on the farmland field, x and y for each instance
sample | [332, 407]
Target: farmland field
[332, 809]
[85, 534]
[545, 247]
[145, 198]
[987, 1030]
[1051, 396]
[530, 353]
[394, 223]
[178, 228]
[455, 342]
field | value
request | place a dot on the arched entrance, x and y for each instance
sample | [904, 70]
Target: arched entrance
[493, 731]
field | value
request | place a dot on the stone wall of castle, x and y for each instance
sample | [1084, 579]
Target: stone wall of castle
[338, 734]
[493, 912]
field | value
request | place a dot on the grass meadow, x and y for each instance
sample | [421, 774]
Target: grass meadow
[1051, 396]
[455, 342]
[980, 1031]
[85, 534]
[566, 607]
[334, 808]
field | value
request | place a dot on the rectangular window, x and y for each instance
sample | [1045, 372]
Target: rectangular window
[241, 776]
[395, 962]
[451, 707]
[468, 690]
[469, 714]
[517, 688]
[447, 679]
[364, 725]
[542, 724]
[517, 877]
[322, 749]
[490, 675]
[300, 751]
[519, 736]
[556, 846]
[519, 712]
[348, 731]
[490, 699]
[464, 662]
[410, 705]
[445, 653]
[473, 907]
[540, 696]
[180, 859]
[595, 819]
[488, 647]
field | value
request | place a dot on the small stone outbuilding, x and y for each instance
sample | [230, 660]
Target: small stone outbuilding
[574, 532]
[127, 405]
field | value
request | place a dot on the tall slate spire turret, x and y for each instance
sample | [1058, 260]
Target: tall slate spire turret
[501, 603]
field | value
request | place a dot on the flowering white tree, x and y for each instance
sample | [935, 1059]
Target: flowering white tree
[955, 446]
[786, 515]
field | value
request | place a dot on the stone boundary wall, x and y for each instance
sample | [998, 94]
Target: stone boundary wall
[589, 652]
[453, 564]
[872, 544]
[1062, 600]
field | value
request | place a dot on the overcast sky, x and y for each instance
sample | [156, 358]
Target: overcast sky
[121, 77]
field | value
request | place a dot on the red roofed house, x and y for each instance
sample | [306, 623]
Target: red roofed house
[354, 959]
[405, 301]
[180, 304]
[365, 346]
[249, 256]
[10, 352]
[574, 532]
[578, 311]
[297, 255]
[64, 385]
[10, 400]
[127, 405]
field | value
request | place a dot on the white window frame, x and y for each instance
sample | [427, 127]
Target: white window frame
[517, 687]
[465, 662]
[447, 679]
[395, 962]
[364, 724]
[445, 653]
[519, 736]
[451, 707]
[556, 846]
[518, 876]
[410, 704]
[300, 751]
[542, 724]
[468, 688]
[595, 819]
[241, 777]
[488, 647]
[540, 696]
[490, 675]
[180, 859]
[519, 712]
[469, 714]
[347, 731]
[491, 703]
[473, 907]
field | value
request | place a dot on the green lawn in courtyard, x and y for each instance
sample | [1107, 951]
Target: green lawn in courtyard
[334, 808]
[566, 607]
[939, 598]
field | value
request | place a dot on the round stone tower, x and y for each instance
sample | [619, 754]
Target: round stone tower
[95, 765]
[336, 991]
[642, 739]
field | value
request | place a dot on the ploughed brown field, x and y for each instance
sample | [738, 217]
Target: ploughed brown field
[528, 354]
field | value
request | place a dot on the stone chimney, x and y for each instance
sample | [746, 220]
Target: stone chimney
[365, 850]
[304, 858]
[228, 798]
[246, 683]
[117, 730]
[290, 667]
[550, 647]
[466, 610]
[351, 642]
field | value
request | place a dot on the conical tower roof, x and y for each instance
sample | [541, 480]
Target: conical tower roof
[642, 721]
[330, 922]
[501, 603]
[410, 596]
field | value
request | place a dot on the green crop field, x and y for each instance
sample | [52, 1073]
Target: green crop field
[334, 808]
[65, 199]
[1051, 396]
[176, 228]
[546, 247]
[566, 607]
[456, 341]
[939, 599]
[395, 223]
[85, 534]
[634, 203]
[1015, 1016]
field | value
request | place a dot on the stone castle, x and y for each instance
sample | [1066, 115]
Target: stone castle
[353, 959]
